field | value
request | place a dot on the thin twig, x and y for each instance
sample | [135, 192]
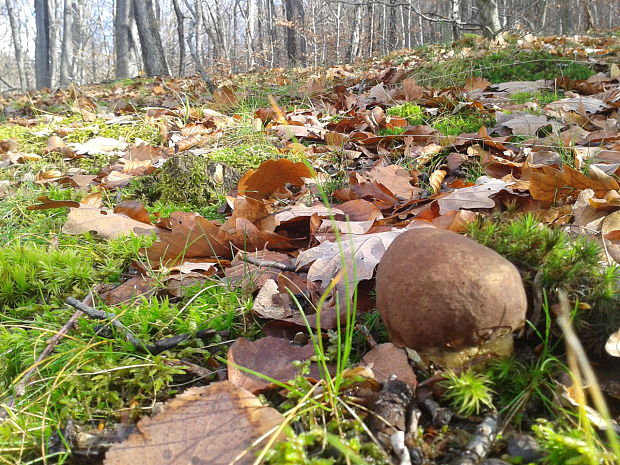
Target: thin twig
[480, 445]
[268, 263]
[20, 387]
[99, 315]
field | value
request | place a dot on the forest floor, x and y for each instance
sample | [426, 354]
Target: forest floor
[188, 277]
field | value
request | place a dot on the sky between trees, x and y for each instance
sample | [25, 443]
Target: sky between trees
[51, 43]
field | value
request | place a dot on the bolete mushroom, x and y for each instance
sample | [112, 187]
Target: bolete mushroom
[437, 289]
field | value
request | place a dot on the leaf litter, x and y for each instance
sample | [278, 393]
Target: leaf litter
[280, 241]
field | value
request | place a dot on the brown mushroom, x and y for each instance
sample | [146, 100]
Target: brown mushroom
[437, 289]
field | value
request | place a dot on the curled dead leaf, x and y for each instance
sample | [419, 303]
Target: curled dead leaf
[435, 179]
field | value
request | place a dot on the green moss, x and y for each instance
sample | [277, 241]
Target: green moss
[414, 113]
[462, 122]
[552, 259]
[395, 131]
[128, 132]
[510, 64]
[542, 98]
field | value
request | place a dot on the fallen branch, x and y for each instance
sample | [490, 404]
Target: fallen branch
[480, 445]
[268, 263]
[99, 315]
[155, 348]
[20, 387]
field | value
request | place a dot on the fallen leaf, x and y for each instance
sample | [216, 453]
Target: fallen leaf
[477, 196]
[435, 179]
[271, 303]
[269, 356]
[395, 178]
[271, 176]
[212, 424]
[47, 203]
[104, 223]
[612, 347]
[359, 254]
[557, 185]
[189, 236]
[387, 360]
[578, 105]
[96, 145]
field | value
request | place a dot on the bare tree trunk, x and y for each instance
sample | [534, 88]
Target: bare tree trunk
[43, 71]
[153, 55]
[251, 32]
[66, 52]
[295, 43]
[354, 45]
[488, 15]
[124, 41]
[17, 45]
[456, 17]
[180, 34]
[590, 22]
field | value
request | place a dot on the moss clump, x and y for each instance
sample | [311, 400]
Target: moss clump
[542, 98]
[551, 259]
[28, 273]
[185, 179]
[462, 122]
[510, 64]
[412, 112]
[395, 131]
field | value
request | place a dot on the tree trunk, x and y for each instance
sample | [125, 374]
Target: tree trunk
[17, 45]
[153, 55]
[295, 43]
[66, 52]
[250, 26]
[124, 43]
[43, 71]
[488, 16]
[456, 17]
[585, 4]
[354, 44]
[180, 34]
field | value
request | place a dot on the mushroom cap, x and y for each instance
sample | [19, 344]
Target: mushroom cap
[439, 289]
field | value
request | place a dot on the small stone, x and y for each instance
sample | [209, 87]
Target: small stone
[524, 446]
[494, 462]
[437, 289]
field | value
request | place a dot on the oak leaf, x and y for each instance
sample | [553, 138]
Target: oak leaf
[216, 424]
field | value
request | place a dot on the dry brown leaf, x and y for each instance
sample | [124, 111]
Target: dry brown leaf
[476, 83]
[225, 96]
[395, 178]
[612, 347]
[557, 185]
[271, 303]
[104, 223]
[359, 253]
[138, 286]
[271, 176]
[436, 178]
[270, 356]
[190, 236]
[212, 424]
[388, 360]
[477, 196]
[133, 209]
[47, 203]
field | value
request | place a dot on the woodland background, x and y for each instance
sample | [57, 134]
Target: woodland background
[51, 43]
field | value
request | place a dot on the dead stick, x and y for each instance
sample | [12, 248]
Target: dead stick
[480, 445]
[269, 263]
[99, 315]
[20, 388]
